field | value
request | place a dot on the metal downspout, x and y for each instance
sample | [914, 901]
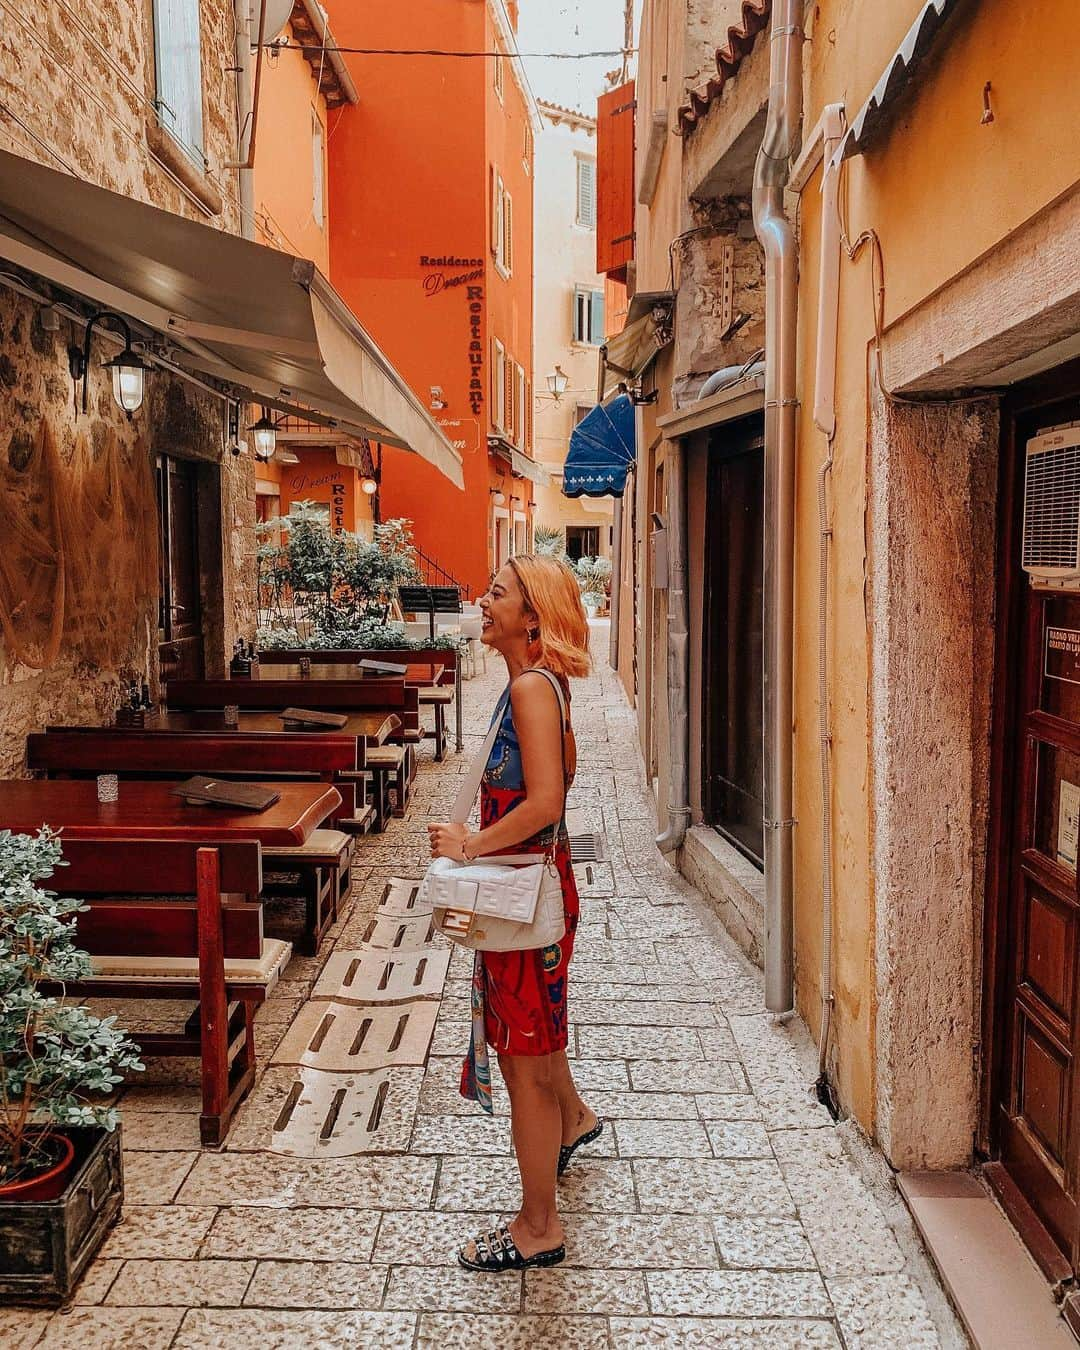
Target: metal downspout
[777, 237]
[242, 51]
[616, 574]
[678, 653]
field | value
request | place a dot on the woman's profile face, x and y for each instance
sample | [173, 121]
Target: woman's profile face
[505, 618]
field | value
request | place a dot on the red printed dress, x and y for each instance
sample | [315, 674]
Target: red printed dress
[521, 996]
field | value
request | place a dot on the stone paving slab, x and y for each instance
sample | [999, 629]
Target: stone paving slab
[719, 1208]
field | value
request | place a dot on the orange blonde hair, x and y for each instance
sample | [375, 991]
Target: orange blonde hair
[552, 593]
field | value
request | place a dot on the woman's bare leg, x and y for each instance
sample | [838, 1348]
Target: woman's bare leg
[536, 1125]
[577, 1118]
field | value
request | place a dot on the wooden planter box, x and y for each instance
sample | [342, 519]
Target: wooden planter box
[45, 1246]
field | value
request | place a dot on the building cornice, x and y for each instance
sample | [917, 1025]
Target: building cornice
[508, 39]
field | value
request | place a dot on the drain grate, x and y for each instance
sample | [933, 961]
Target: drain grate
[401, 899]
[382, 977]
[588, 848]
[392, 934]
[333, 1115]
[343, 1039]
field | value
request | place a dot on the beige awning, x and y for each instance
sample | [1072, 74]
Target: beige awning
[647, 332]
[265, 322]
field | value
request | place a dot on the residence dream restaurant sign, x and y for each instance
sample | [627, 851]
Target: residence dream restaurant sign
[448, 271]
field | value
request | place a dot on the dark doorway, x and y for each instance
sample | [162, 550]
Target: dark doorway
[1033, 930]
[582, 541]
[733, 757]
[180, 629]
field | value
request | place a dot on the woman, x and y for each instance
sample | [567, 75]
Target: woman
[532, 616]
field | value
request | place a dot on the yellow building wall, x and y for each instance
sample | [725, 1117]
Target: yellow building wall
[940, 191]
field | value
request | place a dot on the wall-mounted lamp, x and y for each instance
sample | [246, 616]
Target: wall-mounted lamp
[369, 487]
[128, 368]
[498, 497]
[437, 400]
[557, 383]
[265, 434]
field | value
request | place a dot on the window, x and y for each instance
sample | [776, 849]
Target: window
[178, 73]
[582, 541]
[317, 162]
[581, 412]
[586, 193]
[527, 147]
[502, 224]
[498, 384]
[588, 316]
[498, 75]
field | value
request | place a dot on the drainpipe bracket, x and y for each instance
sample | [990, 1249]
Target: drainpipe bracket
[779, 824]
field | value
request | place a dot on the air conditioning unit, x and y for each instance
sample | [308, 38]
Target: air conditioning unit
[1051, 546]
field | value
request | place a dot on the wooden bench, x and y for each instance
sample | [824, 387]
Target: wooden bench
[204, 942]
[392, 695]
[439, 686]
[321, 872]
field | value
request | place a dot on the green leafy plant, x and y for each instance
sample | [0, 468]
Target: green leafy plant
[549, 542]
[594, 575]
[592, 600]
[314, 580]
[53, 1054]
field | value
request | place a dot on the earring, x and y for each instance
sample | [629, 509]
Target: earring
[533, 634]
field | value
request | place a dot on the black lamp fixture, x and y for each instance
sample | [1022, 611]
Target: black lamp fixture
[127, 367]
[264, 432]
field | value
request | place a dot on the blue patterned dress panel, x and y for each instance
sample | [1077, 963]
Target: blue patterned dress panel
[504, 768]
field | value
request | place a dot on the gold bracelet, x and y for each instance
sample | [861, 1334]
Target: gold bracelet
[464, 855]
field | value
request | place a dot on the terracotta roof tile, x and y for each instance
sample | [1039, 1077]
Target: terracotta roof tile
[740, 42]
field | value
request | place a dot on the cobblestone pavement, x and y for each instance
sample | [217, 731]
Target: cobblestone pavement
[719, 1208]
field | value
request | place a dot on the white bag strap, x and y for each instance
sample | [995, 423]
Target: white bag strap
[470, 784]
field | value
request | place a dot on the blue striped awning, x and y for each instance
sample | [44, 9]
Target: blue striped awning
[602, 449]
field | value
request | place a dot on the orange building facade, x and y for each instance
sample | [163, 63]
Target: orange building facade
[302, 95]
[431, 240]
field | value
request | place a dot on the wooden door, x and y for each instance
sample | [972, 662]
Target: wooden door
[180, 633]
[732, 750]
[1034, 990]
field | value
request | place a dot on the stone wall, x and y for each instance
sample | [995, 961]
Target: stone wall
[931, 538]
[701, 346]
[81, 686]
[81, 79]
[76, 93]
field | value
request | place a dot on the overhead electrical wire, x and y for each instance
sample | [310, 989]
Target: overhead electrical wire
[439, 51]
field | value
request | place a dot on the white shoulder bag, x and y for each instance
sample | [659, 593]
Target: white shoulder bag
[506, 902]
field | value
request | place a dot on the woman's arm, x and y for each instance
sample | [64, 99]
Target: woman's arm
[538, 723]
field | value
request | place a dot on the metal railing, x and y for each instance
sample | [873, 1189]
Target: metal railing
[435, 574]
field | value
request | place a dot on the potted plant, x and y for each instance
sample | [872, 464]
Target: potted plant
[593, 603]
[61, 1185]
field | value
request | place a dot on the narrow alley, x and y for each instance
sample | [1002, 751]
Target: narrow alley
[720, 1207]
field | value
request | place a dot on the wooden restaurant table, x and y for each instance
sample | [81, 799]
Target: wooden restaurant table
[425, 668]
[371, 727]
[151, 810]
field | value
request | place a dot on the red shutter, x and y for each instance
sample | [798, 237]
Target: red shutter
[615, 181]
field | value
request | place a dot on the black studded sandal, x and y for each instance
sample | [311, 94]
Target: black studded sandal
[497, 1251]
[567, 1151]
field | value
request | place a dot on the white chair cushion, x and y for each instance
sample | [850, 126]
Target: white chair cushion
[264, 971]
[320, 843]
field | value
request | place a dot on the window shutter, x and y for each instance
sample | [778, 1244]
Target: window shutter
[508, 397]
[615, 113]
[508, 232]
[178, 72]
[586, 193]
[496, 212]
[596, 317]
